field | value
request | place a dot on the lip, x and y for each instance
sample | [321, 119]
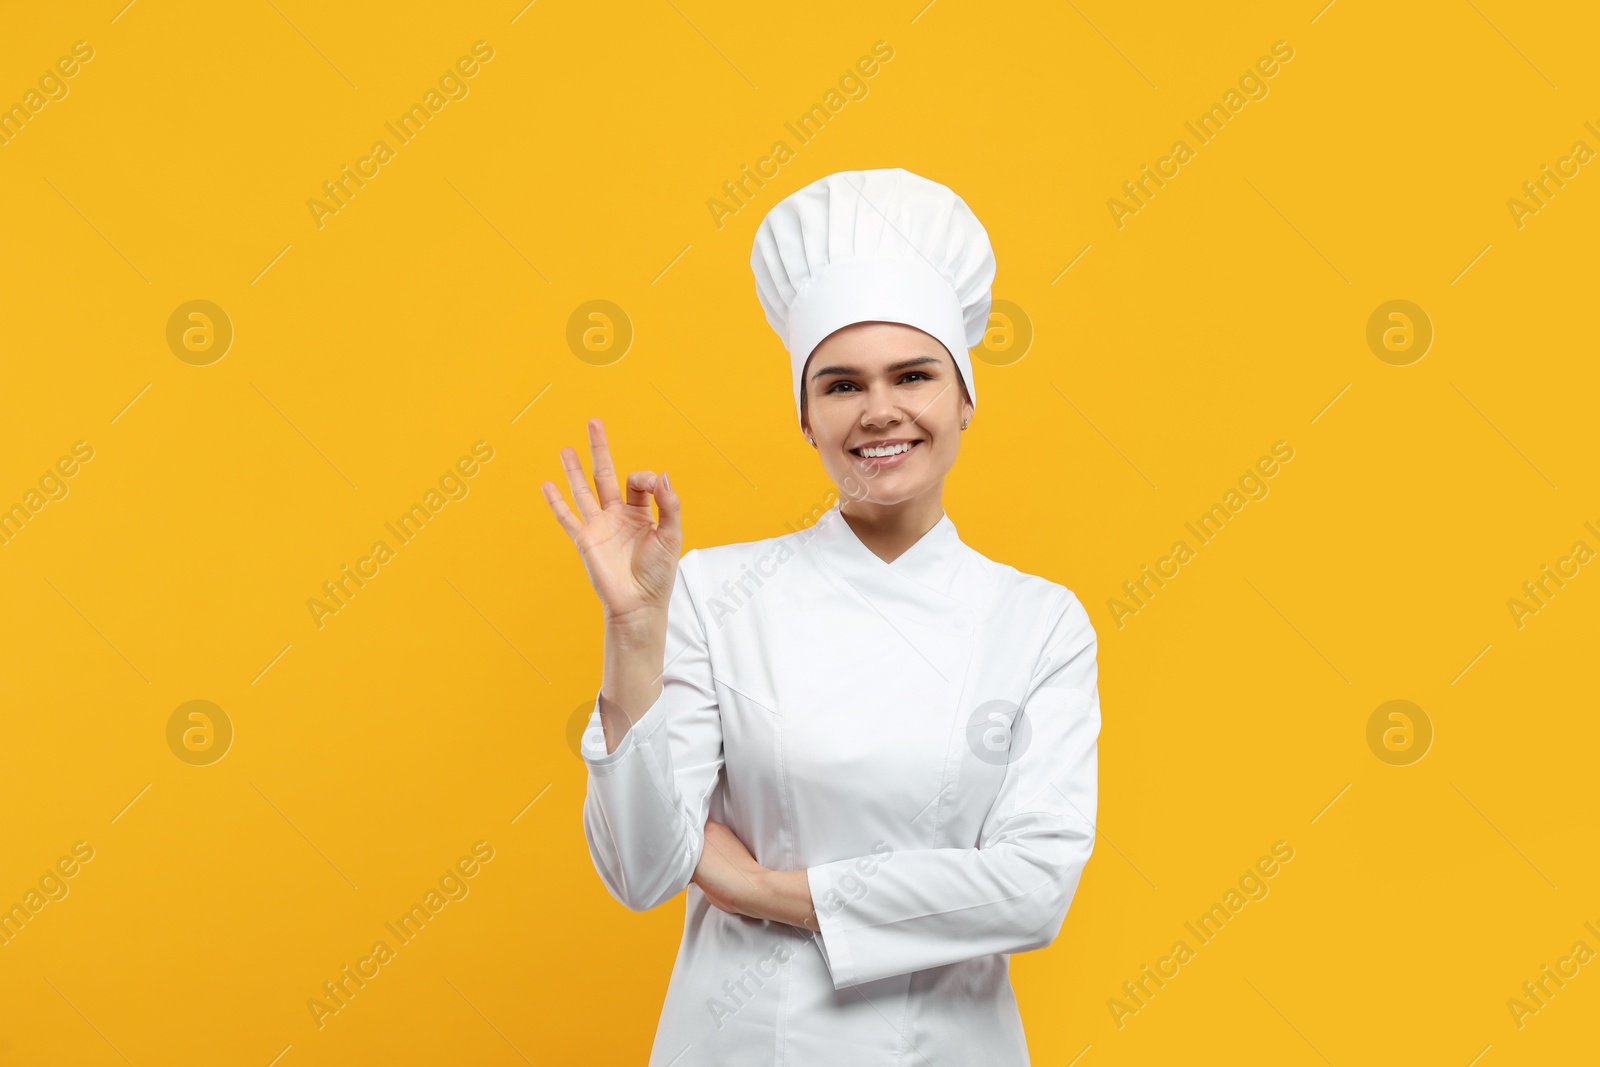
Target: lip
[880, 442]
[878, 463]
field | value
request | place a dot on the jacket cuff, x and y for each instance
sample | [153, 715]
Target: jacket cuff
[593, 746]
[831, 939]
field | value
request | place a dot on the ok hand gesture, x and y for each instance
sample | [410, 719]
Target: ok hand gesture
[632, 559]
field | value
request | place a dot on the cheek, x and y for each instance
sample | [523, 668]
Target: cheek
[946, 446]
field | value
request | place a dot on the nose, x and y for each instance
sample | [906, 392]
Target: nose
[881, 408]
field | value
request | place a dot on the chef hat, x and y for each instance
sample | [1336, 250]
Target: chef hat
[873, 245]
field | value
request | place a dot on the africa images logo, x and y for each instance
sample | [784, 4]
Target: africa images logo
[408, 527]
[406, 128]
[1141, 591]
[852, 86]
[337, 992]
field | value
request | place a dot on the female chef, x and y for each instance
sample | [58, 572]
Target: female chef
[867, 751]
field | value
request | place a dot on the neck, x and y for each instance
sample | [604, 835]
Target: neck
[889, 529]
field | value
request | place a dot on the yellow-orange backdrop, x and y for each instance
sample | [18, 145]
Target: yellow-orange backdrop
[378, 339]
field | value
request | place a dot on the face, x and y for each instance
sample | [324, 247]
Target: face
[884, 384]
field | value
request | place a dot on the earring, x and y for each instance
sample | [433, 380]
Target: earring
[963, 425]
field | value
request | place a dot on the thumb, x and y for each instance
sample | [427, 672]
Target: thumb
[670, 522]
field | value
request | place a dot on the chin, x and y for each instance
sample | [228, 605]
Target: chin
[890, 487]
[886, 489]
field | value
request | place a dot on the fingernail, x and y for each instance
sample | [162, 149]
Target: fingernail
[666, 481]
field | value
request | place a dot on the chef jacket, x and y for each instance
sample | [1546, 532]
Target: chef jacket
[919, 736]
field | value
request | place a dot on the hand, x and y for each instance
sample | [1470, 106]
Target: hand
[631, 559]
[727, 874]
[734, 882]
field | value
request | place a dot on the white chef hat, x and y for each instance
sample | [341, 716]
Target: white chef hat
[873, 245]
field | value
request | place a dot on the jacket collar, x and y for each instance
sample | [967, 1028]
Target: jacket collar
[930, 596]
[924, 580]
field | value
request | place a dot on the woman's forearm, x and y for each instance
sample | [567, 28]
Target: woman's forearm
[630, 675]
[734, 881]
[783, 896]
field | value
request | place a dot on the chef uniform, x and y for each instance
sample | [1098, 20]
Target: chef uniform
[918, 736]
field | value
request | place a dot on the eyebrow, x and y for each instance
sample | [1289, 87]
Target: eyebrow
[919, 361]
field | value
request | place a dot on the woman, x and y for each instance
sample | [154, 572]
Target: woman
[867, 751]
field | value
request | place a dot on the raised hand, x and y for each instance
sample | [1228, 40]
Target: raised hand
[631, 558]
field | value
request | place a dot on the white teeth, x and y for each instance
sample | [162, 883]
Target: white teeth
[886, 450]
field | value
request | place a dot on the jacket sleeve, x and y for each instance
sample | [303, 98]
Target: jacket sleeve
[895, 912]
[645, 811]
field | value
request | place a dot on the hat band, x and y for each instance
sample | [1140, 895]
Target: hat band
[900, 289]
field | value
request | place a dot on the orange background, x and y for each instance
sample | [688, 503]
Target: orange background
[431, 312]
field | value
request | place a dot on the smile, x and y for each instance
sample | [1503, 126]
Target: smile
[886, 456]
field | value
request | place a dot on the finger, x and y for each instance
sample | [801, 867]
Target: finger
[669, 524]
[605, 475]
[558, 504]
[581, 493]
[639, 485]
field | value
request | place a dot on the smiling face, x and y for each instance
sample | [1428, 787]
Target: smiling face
[884, 403]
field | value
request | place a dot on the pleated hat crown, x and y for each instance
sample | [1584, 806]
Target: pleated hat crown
[873, 245]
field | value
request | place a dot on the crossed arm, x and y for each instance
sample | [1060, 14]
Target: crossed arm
[650, 790]
[734, 881]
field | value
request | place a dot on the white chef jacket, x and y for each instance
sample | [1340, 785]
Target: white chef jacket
[859, 720]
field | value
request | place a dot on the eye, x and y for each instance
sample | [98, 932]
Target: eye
[835, 386]
[916, 374]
